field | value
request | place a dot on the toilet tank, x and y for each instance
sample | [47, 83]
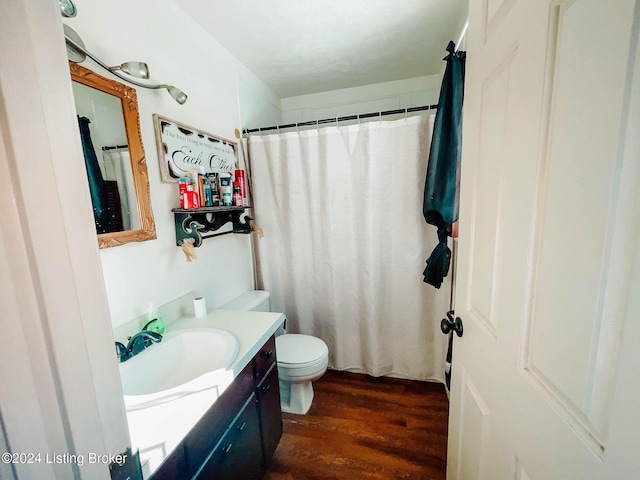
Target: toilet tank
[256, 300]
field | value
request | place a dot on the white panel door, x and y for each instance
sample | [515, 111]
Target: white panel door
[544, 380]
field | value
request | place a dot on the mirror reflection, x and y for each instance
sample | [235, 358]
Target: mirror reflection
[106, 152]
[114, 158]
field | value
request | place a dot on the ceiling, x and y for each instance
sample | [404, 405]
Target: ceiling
[298, 47]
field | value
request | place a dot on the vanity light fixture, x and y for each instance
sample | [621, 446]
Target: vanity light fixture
[67, 8]
[77, 53]
[135, 69]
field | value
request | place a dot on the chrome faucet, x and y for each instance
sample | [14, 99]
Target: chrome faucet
[137, 343]
[142, 340]
[122, 352]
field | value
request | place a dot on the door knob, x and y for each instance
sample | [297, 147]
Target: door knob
[449, 323]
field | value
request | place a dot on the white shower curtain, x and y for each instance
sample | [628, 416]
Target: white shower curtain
[345, 241]
[116, 165]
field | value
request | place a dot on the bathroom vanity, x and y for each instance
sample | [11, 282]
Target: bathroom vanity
[235, 430]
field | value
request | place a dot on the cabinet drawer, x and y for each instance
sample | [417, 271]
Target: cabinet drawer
[265, 358]
[238, 453]
[270, 414]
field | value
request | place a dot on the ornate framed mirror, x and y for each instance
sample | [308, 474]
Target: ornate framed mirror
[109, 126]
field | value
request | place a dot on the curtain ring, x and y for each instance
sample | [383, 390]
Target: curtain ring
[358, 119]
[260, 130]
[405, 114]
[380, 115]
[317, 125]
[337, 122]
[297, 127]
[278, 127]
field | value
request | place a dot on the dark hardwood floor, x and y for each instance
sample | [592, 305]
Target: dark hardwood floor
[360, 427]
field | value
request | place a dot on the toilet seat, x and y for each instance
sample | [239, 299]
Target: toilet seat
[300, 351]
[301, 357]
[311, 369]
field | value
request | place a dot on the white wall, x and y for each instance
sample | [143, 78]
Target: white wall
[61, 389]
[413, 92]
[178, 52]
[256, 106]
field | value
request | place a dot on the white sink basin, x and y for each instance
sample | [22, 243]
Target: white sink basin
[186, 361]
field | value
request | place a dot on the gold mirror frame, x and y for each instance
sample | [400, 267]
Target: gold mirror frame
[129, 102]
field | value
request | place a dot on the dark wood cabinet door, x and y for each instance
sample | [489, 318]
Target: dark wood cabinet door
[174, 466]
[237, 456]
[270, 413]
[265, 358]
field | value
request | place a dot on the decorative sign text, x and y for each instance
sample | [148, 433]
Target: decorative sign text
[182, 148]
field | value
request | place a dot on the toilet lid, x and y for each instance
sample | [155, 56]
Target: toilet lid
[295, 348]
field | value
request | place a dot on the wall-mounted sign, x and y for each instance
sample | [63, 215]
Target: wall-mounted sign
[182, 148]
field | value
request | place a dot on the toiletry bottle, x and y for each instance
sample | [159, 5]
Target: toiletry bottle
[215, 191]
[192, 198]
[237, 196]
[200, 190]
[208, 198]
[154, 323]
[225, 187]
[192, 175]
[240, 179]
[182, 188]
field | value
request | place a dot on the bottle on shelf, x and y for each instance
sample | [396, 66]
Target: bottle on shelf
[225, 188]
[215, 190]
[240, 179]
[182, 188]
[192, 200]
[237, 195]
[200, 183]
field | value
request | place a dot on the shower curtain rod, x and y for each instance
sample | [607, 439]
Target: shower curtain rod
[247, 131]
[104, 149]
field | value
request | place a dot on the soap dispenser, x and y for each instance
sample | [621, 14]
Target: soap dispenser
[154, 321]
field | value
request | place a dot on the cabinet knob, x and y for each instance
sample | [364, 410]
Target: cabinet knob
[266, 388]
[227, 449]
[268, 353]
[241, 427]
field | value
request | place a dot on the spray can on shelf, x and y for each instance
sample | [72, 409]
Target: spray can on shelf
[240, 179]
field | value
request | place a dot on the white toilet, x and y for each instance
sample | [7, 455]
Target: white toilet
[302, 359]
